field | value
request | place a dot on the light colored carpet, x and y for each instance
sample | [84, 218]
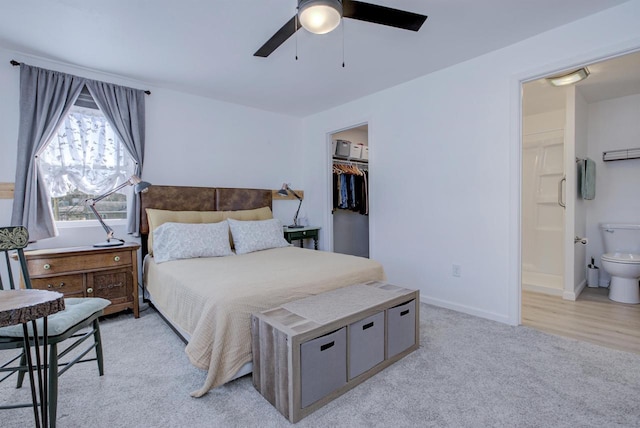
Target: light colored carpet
[468, 372]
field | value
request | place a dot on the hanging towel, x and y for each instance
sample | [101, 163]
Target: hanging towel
[588, 182]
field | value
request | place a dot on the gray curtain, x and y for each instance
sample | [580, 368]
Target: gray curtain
[45, 98]
[124, 108]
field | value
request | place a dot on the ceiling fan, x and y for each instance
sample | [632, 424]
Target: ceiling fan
[322, 16]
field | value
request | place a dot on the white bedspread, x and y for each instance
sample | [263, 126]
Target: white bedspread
[213, 298]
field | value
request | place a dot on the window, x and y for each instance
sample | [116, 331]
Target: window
[85, 159]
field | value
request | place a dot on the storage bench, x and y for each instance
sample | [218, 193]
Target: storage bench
[310, 351]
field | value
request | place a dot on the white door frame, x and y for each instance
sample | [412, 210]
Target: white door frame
[329, 222]
[514, 294]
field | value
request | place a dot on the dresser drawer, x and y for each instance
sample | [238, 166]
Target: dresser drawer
[76, 263]
[302, 234]
[69, 285]
[115, 285]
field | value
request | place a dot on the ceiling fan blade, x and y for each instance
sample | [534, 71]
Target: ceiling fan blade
[286, 31]
[382, 15]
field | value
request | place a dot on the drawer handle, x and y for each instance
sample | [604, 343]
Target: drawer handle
[113, 285]
[89, 290]
[403, 313]
[366, 326]
[116, 258]
[327, 346]
[56, 286]
[47, 266]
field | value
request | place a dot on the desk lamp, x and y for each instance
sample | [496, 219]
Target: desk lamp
[139, 186]
[285, 192]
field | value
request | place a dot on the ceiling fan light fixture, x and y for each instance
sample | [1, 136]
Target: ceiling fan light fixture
[569, 78]
[319, 16]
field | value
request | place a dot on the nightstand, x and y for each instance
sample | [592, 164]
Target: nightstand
[110, 273]
[302, 233]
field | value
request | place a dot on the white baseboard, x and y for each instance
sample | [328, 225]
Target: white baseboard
[466, 309]
[542, 289]
[573, 295]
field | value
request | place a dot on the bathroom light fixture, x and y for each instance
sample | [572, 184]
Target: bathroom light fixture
[319, 16]
[139, 186]
[569, 78]
[285, 192]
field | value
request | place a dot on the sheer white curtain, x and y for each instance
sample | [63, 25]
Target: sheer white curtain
[85, 154]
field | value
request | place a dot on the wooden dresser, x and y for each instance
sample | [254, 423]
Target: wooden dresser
[110, 273]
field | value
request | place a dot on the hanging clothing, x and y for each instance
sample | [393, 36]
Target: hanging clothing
[364, 208]
[350, 190]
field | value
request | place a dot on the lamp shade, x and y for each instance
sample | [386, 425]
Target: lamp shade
[284, 191]
[319, 16]
[139, 186]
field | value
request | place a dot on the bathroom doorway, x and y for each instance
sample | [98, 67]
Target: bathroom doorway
[585, 119]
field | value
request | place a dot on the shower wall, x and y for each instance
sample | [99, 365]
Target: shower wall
[542, 216]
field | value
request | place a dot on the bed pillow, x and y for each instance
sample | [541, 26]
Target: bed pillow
[263, 213]
[176, 241]
[250, 236]
[157, 218]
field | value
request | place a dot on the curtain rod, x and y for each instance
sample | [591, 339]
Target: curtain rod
[16, 63]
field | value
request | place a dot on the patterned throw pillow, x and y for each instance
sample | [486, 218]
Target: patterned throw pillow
[174, 241]
[249, 236]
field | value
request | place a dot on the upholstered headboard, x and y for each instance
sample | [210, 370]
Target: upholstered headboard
[184, 198]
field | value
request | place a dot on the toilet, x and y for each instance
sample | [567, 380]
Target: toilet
[622, 260]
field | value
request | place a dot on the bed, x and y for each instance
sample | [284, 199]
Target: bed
[208, 301]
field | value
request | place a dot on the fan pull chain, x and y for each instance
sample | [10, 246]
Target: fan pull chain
[296, 37]
[342, 25]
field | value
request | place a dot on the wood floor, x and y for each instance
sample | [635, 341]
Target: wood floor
[592, 318]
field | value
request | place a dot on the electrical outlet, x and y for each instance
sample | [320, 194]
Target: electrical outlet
[456, 270]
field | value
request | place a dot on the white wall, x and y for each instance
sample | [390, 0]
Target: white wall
[445, 151]
[190, 140]
[613, 124]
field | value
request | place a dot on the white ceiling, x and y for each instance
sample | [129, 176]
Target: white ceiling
[613, 78]
[206, 47]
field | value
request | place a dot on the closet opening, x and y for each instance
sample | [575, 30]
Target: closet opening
[350, 191]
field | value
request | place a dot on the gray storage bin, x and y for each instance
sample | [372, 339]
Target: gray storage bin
[366, 344]
[323, 366]
[401, 328]
[343, 148]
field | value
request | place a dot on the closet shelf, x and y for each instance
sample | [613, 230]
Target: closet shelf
[337, 158]
[624, 154]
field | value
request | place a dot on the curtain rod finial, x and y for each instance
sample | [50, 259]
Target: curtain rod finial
[14, 62]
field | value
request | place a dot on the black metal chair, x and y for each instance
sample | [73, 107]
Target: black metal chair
[79, 314]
